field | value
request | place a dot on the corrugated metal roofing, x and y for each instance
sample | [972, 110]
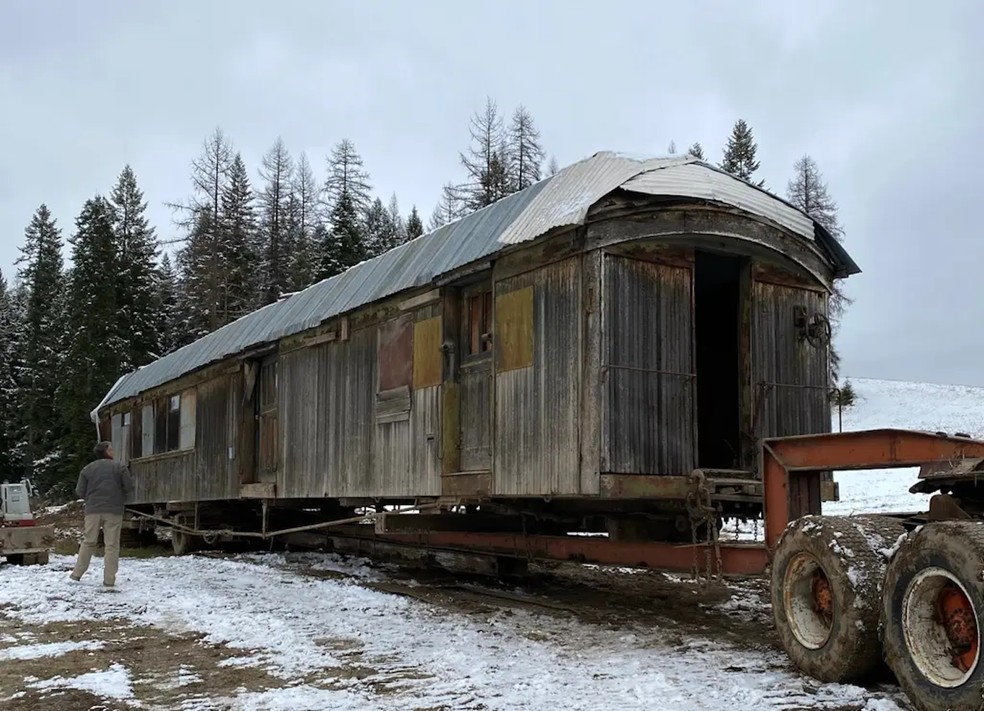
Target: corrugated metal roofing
[561, 200]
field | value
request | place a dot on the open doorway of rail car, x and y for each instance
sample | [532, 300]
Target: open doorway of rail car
[718, 305]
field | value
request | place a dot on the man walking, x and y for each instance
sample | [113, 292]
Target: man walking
[105, 484]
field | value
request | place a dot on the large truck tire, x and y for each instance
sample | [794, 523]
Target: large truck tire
[932, 601]
[827, 575]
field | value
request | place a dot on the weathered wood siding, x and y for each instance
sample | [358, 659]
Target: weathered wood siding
[340, 439]
[789, 375]
[647, 368]
[537, 382]
[206, 472]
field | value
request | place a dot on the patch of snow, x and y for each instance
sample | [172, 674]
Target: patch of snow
[52, 649]
[113, 683]
[881, 404]
[410, 653]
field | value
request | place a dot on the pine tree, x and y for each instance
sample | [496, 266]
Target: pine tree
[344, 245]
[672, 148]
[552, 167]
[486, 161]
[198, 265]
[40, 358]
[807, 191]
[93, 345]
[397, 221]
[696, 151]
[739, 153]
[136, 243]
[304, 220]
[167, 298]
[9, 326]
[525, 150]
[240, 248]
[277, 172]
[415, 227]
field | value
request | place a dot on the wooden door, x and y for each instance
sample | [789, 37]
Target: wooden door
[475, 373]
[267, 431]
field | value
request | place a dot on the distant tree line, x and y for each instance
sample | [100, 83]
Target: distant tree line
[243, 241]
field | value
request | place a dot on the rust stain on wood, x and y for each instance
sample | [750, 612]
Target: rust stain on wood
[396, 353]
[514, 329]
[427, 353]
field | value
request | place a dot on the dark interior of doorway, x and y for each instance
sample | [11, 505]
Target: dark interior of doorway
[717, 314]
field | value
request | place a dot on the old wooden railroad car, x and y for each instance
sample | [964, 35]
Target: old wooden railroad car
[571, 354]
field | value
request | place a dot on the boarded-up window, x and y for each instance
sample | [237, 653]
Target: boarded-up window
[427, 353]
[514, 329]
[160, 426]
[480, 323]
[105, 430]
[396, 353]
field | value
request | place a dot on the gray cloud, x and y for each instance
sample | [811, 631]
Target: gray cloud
[885, 96]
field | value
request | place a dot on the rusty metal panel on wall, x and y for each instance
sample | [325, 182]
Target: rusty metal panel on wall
[648, 368]
[537, 406]
[789, 372]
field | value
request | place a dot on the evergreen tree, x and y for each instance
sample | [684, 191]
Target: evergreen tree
[843, 398]
[672, 148]
[415, 227]
[93, 346]
[382, 232]
[525, 150]
[552, 167]
[486, 161]
[304, 221]
[136, 287]
[696, 151]
[198, 282]
[40, 360]
[739, 153]
[276, 171]
[807, 191]
[397, 221]
[167, 298]
[239, 281]
[9, 326]
[344, 245]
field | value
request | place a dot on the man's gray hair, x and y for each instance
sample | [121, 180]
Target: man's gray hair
[100, 451]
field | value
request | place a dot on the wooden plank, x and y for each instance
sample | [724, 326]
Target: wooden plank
[514, 330]
[467, 484]
[427, 359]
[258, 490]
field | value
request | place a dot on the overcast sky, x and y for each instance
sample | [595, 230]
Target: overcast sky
[886, 96]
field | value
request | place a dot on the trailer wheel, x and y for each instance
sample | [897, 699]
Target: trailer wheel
[827, 574]
[931, 606]
[183, 542]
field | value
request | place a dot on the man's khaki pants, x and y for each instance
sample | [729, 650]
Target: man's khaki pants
[111, 525]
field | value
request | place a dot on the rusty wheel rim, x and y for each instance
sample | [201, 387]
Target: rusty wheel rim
[939, 624]
[808, 601]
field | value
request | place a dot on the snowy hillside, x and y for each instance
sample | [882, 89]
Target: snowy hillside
[917, 406]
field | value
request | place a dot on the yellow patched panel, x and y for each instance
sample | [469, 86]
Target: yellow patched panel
[427, 353]
[513, 335]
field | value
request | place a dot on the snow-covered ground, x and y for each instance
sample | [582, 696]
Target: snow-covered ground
[312, 631]
[918, 406]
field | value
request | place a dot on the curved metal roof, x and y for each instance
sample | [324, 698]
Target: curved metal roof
[561, 200]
